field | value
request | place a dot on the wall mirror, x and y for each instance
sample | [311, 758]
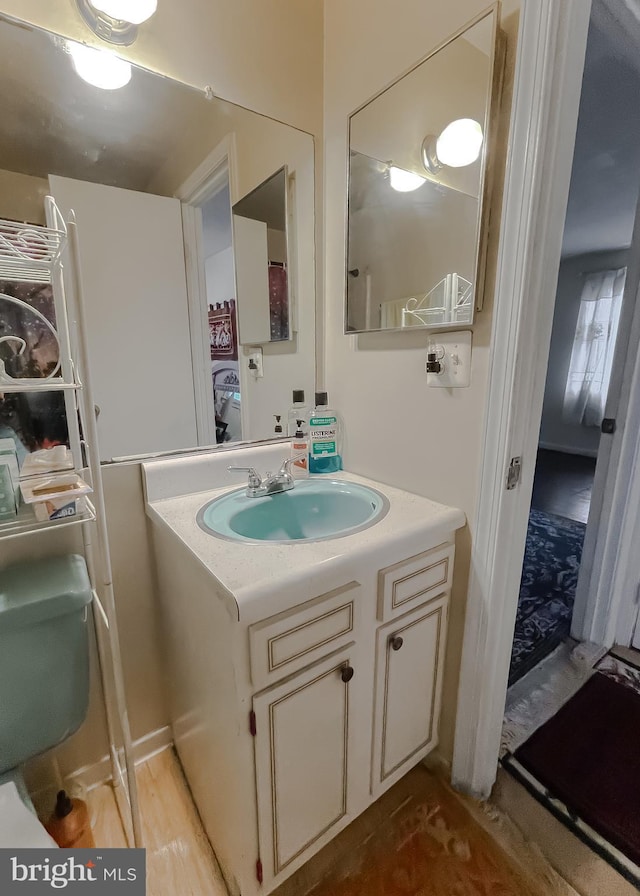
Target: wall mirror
[260, 239]
[417, 161]
[159, 272]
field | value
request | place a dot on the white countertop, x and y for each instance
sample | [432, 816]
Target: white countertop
[249, 571]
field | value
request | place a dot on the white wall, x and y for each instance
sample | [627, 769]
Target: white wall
[397, 430]
[263, 54]
[554, 432]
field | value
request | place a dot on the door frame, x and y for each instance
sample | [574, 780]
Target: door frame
[204, 182]
[547, 84]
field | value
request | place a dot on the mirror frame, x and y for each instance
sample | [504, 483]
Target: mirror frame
[487, 173]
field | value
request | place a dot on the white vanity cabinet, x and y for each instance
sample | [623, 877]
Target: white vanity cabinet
[304, 729]
[303, 680]
[409, 660]
[372, 703]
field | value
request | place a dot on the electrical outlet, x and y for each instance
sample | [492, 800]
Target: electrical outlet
[254, 363]
[453, 351]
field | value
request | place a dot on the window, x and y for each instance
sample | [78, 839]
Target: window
[593, 347]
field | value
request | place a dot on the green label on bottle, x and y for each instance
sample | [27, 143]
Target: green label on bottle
[323, 436]
[323, 449]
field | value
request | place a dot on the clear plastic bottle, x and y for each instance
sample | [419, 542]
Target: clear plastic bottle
[325, 438]
[297, 411]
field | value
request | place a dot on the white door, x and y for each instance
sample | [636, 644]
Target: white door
[409, 658]
[135, 295]
[252, 280]
[303, 729]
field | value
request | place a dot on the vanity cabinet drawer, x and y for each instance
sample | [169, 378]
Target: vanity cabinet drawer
[285, 643]
[413, 581]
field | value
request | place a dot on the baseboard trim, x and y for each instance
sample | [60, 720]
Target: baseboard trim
[88, 777]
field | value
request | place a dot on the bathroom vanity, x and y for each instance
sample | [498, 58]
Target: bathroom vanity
[304, 678]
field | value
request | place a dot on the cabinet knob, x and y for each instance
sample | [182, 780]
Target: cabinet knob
[346, 673]
[396, 642]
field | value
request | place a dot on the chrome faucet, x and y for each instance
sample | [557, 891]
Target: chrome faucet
[273, 483]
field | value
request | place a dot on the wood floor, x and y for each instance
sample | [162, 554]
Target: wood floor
[180, 861]
[420, 839]
[563, 484]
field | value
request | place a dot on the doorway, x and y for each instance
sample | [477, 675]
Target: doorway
[220, 283]
[211, 286]
[582, 378]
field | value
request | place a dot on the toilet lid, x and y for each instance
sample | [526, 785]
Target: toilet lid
[19, 827]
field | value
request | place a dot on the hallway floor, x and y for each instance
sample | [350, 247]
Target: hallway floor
[563, 484]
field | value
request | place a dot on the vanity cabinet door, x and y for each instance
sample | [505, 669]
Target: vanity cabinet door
[409, 661]
[302, 743]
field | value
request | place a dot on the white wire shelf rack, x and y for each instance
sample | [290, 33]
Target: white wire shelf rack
[29, 252]
[26, 523]
[44, 385]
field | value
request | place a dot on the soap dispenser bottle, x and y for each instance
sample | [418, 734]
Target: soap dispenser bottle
[300, 445]
[325, 438]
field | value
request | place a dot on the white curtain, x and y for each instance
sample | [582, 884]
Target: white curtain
[593, 347]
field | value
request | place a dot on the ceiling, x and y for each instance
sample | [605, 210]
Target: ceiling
[606, 165]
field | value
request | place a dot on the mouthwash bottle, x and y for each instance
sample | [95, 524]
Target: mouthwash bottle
[325, 438]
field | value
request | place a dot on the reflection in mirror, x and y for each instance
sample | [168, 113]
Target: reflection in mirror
[417, 155]
[168, 369]
[260, 244]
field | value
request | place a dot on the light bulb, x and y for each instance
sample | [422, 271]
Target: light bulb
[404, 181]
[99, 68]
[133, 11]
[460, 143]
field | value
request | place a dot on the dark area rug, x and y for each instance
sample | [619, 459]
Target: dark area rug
[547, 589]
[587, 756]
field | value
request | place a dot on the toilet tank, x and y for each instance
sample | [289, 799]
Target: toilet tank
[44, 655]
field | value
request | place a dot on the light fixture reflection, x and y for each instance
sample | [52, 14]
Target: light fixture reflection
[458, 145]
[404, 181]
[133, 11]
[100, 68]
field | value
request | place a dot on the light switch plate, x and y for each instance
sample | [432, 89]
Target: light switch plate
[453, 350]
[254, 363]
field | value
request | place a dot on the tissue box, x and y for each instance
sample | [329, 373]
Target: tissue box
[55, 497]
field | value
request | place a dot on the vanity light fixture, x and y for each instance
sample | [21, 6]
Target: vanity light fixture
[457, 146]
[133, 11]
[100, 68]
[404, 181]
[116, 21]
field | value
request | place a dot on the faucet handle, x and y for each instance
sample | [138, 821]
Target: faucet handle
[289, 461]
[254, 476]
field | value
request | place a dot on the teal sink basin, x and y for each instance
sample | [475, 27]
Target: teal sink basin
[313, 510]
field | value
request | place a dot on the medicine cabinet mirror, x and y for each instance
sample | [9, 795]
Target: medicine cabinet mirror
[260, 242]
[417, 181]
[152, 170]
